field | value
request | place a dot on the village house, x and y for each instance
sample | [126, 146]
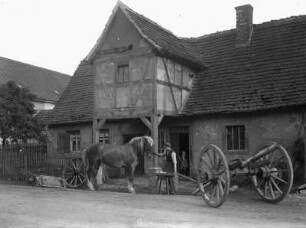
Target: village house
[236, 89]
[46, 84]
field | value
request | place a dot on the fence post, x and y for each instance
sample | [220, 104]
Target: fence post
[26, 164]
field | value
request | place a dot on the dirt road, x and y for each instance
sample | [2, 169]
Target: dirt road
[25, 206]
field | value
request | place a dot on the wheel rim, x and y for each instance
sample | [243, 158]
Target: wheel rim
[74, 173]
[274, 180]
[213, 176]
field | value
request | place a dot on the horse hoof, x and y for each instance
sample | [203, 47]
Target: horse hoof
[132, 191]
[90, 186]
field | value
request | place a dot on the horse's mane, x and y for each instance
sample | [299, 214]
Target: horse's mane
[138, 143]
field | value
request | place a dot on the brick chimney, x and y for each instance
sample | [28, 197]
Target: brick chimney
[244, 25]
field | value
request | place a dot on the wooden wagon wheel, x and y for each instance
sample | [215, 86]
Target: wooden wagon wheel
[273, 181]
[74, 173]
[213, 176]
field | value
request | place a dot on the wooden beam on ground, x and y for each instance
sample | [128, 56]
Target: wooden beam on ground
[187, 178]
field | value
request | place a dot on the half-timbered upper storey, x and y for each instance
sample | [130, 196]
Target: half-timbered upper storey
[140, 68]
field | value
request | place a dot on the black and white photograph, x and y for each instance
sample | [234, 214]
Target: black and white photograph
[144, 114]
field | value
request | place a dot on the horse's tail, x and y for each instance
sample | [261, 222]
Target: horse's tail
[84, 156]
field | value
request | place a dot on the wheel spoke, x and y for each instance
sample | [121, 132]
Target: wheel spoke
[210, 159]
[220, 173]
[213, 192]
[206, 163]
[84, 176]
[221, 179]
[271, 159]
[279, 179]
[75, 181]
[266, 189]
[276, 186]
[219, 165]
[80, 179]
[271, 190]
[279, 171]
[221, 188]
[259, 183]
[69, 173]
[217, 192]
[276, 161]
[72, 180]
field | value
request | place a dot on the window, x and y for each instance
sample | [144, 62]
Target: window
[235, 138]
[104, 135]
[123, 73]
[75, 141]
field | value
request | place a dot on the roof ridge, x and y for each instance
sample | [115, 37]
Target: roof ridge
[146, 18]
[266, 23]
[284, 20]
[31, 65]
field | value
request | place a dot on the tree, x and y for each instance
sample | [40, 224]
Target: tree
[17, 120]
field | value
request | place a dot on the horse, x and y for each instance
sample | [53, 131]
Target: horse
[124, 156]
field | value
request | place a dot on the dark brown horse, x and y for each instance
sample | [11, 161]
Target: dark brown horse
[117, 157]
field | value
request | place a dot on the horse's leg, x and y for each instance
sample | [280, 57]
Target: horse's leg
[90, 176]
[131, 171]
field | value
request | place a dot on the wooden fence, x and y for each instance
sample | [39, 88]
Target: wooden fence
[19, 162]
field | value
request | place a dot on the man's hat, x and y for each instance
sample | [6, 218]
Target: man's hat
[167, 144]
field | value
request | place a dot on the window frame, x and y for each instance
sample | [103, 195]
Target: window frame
[238, 138]
[102, 138]
[74, 137]
[126, 73]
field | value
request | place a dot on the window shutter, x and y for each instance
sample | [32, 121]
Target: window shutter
[63, 143]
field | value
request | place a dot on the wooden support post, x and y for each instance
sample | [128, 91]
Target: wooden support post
[97, 124]
[154, 134]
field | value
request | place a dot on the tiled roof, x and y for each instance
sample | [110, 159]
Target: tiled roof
[44, 116]
[269, 73]
[46, 84]
[162, 40]
[76, 103]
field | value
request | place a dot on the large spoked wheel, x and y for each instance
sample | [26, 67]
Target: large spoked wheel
[74, 173]
[213, 176]
[273, 181]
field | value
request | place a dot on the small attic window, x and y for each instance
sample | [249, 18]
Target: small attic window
[123, 73]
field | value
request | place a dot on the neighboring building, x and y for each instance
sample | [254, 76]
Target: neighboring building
[237, 88]
[46, 84]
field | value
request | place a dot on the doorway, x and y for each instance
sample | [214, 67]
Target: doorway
[180, 142]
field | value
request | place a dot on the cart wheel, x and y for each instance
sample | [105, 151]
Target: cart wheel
[213, 176]
[273, 181]
[74, 173]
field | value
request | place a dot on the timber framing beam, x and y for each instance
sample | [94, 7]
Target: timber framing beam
[146, 122]
[149, 123]
[171, 89]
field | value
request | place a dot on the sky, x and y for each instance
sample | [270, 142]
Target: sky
[58, 34]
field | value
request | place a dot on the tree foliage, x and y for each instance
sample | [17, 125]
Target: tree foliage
[17, 120]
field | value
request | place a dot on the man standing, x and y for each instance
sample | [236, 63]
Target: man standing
[170, 165]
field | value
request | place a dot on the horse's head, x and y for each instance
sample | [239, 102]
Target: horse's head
[143, 144]
[148, 144]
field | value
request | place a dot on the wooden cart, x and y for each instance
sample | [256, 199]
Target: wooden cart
[269, 168]
[74, 172]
